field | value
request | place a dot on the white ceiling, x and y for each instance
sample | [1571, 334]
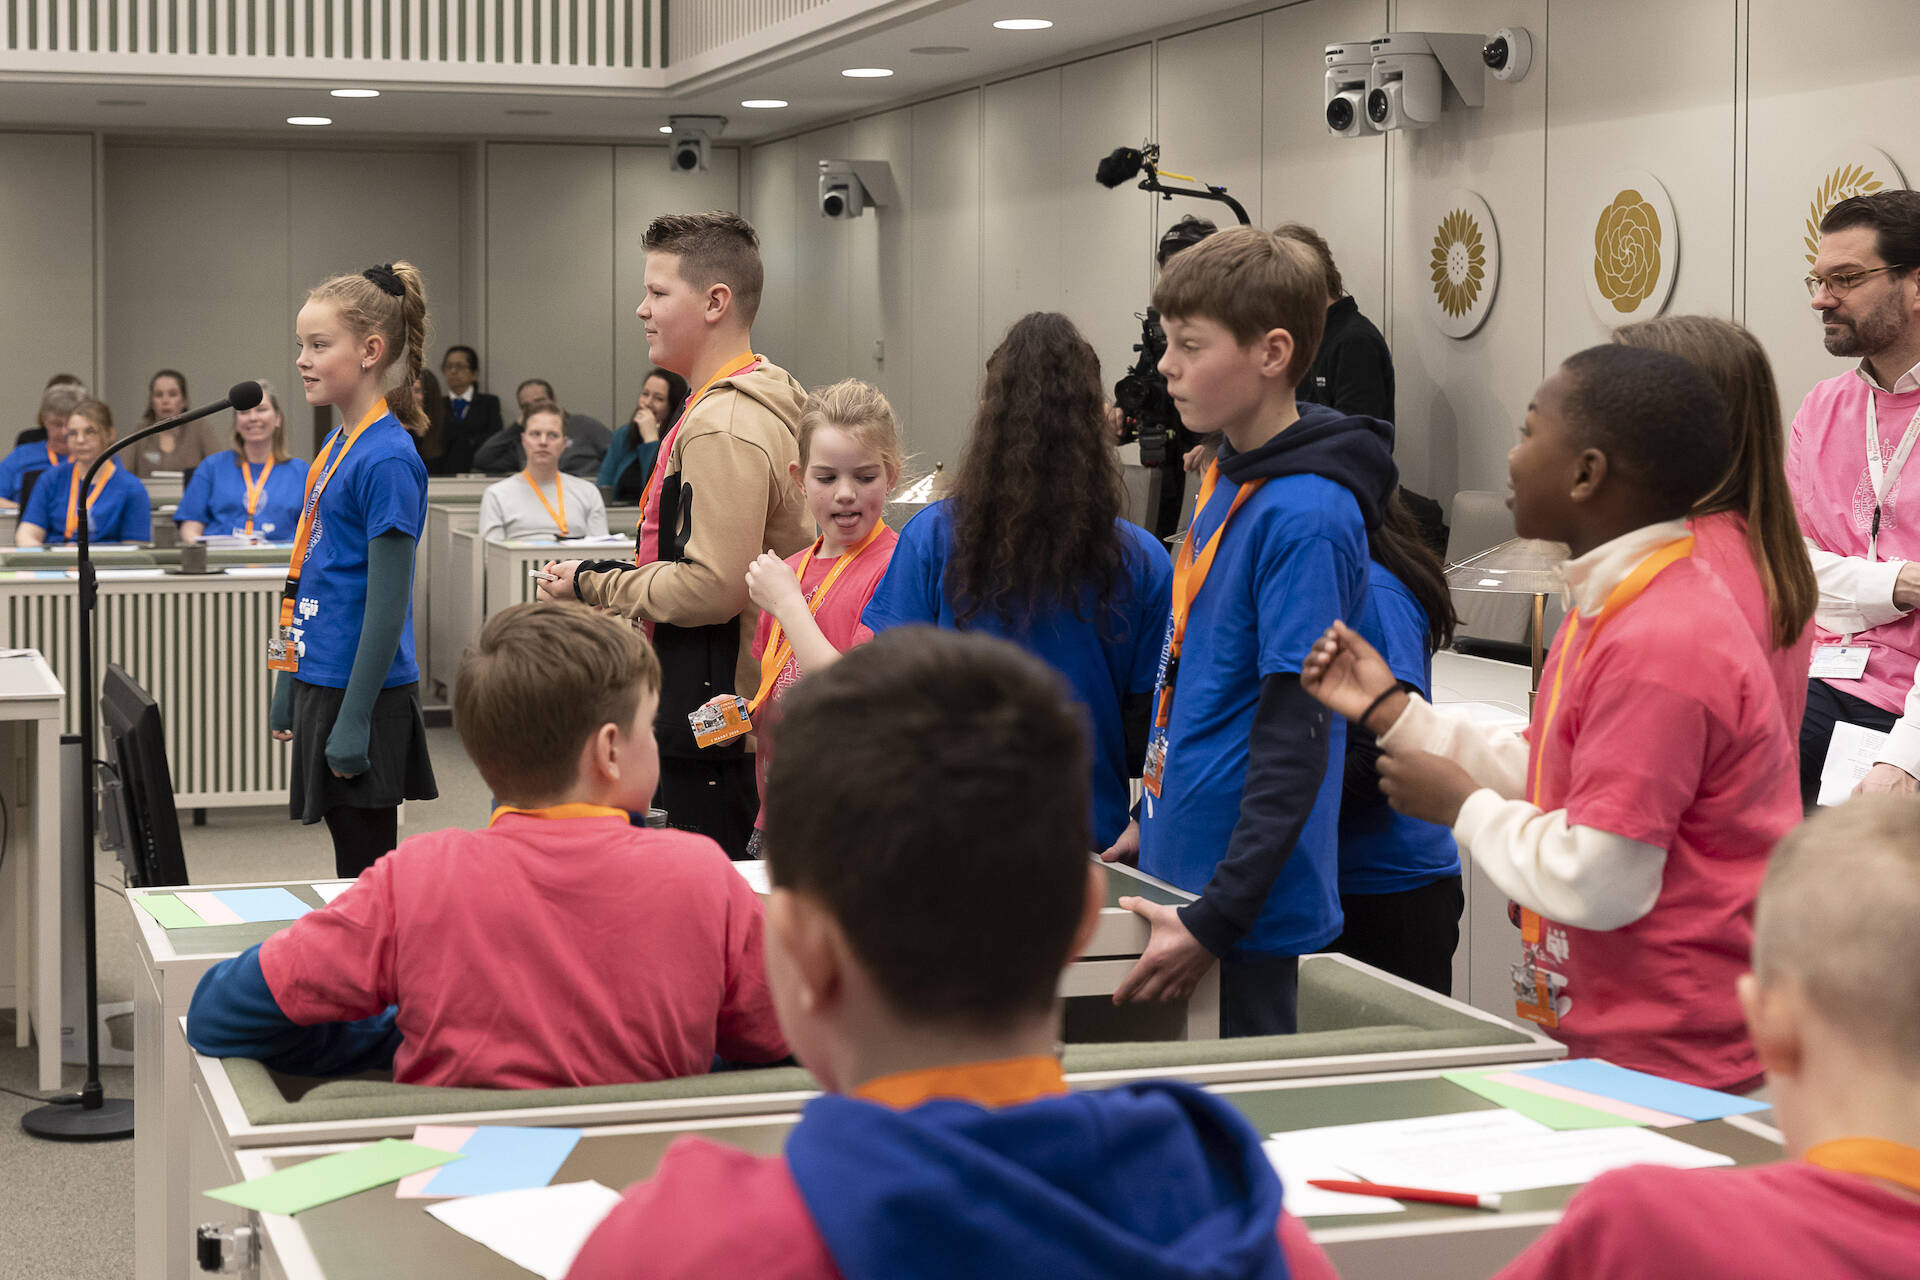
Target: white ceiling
[809, 80]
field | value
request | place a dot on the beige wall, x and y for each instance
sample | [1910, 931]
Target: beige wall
[47, 221]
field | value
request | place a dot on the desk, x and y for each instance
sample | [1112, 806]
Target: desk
[171, 962]
[32, 701]
[196, 643]
[374, 1234]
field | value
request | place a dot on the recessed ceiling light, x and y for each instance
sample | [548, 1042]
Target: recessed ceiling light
[123, 102]
[938, 49]
[764, 104]
[666, 128]
[528, 111]
[309, 120]
[1023, 24]
[866, 73]
[355, 93]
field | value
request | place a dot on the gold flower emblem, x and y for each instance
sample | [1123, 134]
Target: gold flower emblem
[1459, 263]
[1846, 181]
[1626, 251]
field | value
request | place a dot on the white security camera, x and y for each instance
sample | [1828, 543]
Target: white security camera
[1403, 82]
[689, 151]
[850, 187]
[1508, 53]
[1347, 67]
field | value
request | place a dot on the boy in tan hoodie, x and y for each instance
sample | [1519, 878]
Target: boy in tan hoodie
[718, 498]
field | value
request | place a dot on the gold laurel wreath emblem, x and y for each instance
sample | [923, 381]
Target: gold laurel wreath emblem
[1459, 263]
[1843, 183]
[1626, 251]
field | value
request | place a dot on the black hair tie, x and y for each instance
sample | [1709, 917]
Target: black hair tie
[388, 279]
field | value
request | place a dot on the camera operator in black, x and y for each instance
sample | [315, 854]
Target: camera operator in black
[1353, 370]
[1143, 410]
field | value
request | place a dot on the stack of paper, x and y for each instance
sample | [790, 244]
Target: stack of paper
[494, 1158]
[1850, 753]
[190, 909]
[1603, 1080]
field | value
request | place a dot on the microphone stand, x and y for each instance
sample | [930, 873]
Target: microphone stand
[91, 1116]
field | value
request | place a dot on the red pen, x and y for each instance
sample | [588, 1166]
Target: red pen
[1422, 1194]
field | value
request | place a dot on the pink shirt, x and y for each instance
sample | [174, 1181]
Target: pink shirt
[711, 1210]
[1833, 494]
[541, 953]
[1669, 733]
[1761, 1223]
[1720, 547]
[839, 619]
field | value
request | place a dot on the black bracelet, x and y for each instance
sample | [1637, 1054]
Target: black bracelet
[1375, 706]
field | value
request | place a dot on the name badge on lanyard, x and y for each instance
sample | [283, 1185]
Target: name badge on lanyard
[1838, 662]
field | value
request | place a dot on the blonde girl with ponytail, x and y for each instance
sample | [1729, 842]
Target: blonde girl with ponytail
[348, 693]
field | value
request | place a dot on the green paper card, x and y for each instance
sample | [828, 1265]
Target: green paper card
[335, 1177]
[1551, 1112]
[169, 911]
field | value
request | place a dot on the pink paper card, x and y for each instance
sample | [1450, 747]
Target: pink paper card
[1612, 1106]
[440, 1137]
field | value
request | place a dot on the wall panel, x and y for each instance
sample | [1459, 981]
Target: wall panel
[944, 249]
[880, 297]
[1207, 94]
[818, 353]
[46, 266]
[1106, 237]
[770, 208]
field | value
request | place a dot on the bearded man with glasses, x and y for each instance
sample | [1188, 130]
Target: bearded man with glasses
[1859, 508]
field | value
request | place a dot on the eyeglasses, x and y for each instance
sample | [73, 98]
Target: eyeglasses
[1842, 284]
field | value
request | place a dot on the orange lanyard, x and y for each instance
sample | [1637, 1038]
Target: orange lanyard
[93, 494]
[318, 478]
[1005, 1083]
[560, 492]
[1189, 575]
[254, 489]
[53, 459]
[561, 811]
[779, 647]
[1870, 1157]
[1619, 598]
[649, 495]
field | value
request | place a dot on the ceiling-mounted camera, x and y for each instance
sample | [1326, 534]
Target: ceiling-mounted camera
[1508, 53]
[849, 187]
[1348, 64]
[689, 151]
[1410, 73]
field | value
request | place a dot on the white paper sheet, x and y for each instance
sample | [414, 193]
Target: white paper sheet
[328, 892]
[754, 873]
[1484, 1152]
[541, 1229]
[1298, 1157]
[1849, 755]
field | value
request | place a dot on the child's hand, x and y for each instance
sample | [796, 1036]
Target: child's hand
[1347, 674]
[1423, 785]
[772, 585]
[1126, 848]
[1173, 962]
[559, 582]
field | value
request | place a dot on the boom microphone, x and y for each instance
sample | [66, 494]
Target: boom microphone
[1119, 167]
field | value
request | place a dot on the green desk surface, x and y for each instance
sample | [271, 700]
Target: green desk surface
[231, 939]
[1121, 885]
[373, 1234]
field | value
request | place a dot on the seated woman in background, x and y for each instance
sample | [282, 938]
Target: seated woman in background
[33, 458]
[38, 431]
[115, 505]
[630, 457]
[518, 507]
[431, 440]
[1032, 546]
[181, 449]
[253, 490]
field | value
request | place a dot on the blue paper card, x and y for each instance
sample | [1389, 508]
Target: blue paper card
[1641, 1089]
[255, 906]
[505, 1158]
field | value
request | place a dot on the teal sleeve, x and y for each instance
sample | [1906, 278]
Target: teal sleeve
[281, 719]
[389, 587]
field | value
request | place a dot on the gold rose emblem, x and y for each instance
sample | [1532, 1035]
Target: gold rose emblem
[1626, 251]
[1846, 181]
[1459, 263]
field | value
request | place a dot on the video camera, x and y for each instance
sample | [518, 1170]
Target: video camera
[1151, 416]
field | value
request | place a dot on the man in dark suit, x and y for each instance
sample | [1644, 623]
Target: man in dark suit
[587, 439]
[473, 416]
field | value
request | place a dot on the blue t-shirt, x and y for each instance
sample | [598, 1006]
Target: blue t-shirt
[122, 512]
[1293, 560]
[25, 460]
[1104, 656]
[1381, 849]
[217, 497]
[381, 487]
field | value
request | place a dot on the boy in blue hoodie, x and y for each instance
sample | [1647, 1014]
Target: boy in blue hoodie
[926, 817]
[1243, 767]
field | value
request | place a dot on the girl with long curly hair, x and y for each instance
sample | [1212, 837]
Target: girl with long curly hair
[1031, 546]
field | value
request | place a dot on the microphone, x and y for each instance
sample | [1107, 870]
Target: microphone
[1118, 167]
[241, 395]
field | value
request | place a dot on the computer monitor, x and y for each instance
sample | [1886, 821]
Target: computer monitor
[143, 796]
